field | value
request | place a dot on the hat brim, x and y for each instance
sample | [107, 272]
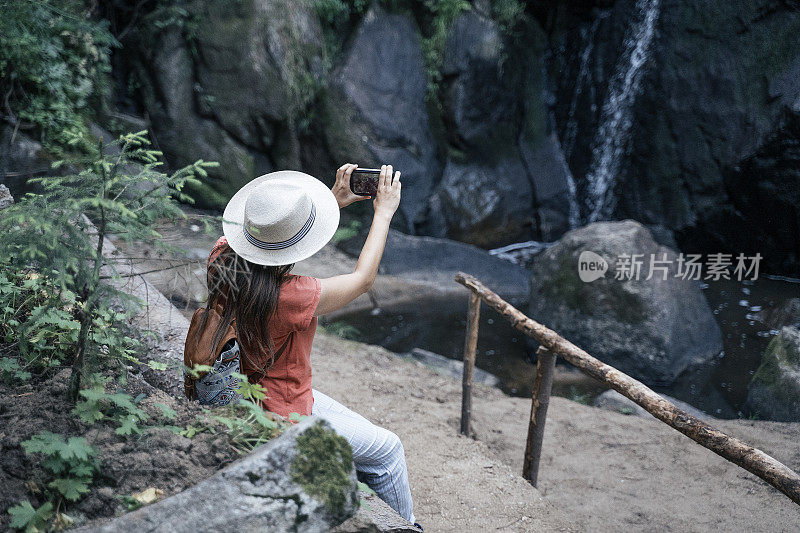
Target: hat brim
[323, 228]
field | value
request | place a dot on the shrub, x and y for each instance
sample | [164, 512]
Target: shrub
[54, 62]
[57, 283]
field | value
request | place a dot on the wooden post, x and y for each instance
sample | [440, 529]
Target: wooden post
[751, 459]
[470, 345]
[540, 399]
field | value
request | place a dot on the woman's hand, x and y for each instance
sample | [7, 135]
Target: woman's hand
[388, 198]
[341, 189]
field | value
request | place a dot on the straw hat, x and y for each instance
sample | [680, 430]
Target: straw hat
[280, 218]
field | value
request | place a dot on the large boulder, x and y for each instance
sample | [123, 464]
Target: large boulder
[302, 481]
[233, 93]
[257, 65]
[375, 110]
[506, 179]
[652, 329]
[436, 261]
[774, 392]
[485, 205]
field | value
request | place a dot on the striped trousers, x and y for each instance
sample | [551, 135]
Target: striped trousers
[378, 454]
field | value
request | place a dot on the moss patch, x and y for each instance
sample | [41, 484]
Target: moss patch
[780, 351]
[322, 467]
[595, 298]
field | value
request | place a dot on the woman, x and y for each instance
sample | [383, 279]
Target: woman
[270, 224]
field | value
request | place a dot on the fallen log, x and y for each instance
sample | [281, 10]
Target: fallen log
[734, 450]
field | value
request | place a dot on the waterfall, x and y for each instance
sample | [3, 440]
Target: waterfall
[571, 130]
[615, 119]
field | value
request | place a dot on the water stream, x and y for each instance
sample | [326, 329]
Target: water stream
[719, 387]
[613, 133]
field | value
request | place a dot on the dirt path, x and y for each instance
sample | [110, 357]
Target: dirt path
[458, 484]
[603, 470]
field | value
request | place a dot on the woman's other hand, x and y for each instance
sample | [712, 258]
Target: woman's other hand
[388, 198]
[341, 189]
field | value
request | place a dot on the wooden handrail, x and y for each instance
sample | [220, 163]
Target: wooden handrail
[738, 452]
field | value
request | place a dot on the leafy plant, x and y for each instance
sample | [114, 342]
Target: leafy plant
[443, 12]
[25, 517]
[119, 407]
[54, 63]
[60, 235]
[343, 330]
[72, 462]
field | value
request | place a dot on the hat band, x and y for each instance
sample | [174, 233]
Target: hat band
[264, 245]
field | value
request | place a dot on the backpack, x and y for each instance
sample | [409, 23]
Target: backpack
[217, 386]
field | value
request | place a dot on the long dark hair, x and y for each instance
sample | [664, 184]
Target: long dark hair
[248, 293]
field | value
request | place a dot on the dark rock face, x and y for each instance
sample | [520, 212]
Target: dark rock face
[775, 388]
[505, 179]
[256, 493]
[232, 100]
[375, 107]
[486, 205]
[651, 329]
[714, 92]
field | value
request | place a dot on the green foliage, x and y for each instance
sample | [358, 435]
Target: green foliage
[348, 231]
[343, 330]
[28, 519]
[508, 13]
[71, 461]
[119, 407]
[58, 291]
[38, 318]
[54, 61]
[333, 12]
[322, 466]
[443, 12]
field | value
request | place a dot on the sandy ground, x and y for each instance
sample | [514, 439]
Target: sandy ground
[602, 470]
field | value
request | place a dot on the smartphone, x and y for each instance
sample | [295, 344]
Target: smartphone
[364, 181]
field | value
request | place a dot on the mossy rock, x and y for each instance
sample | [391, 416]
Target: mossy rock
[322, 466]
[775, 388]
[652, 329]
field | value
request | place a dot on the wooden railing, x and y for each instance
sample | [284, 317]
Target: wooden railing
[552, 344]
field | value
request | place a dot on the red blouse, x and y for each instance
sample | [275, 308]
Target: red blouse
[288, 381]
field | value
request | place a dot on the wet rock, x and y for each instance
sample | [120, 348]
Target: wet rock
[651, 329]
[774, 392]
[21, 158]
[787, 314]
[450, 367]
[261, 491]
[611, 400]
[432, 260]
[375, 111]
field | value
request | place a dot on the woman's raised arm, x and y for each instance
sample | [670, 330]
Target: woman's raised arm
[338, 291]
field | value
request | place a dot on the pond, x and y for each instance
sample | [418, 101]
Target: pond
[719, 388]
